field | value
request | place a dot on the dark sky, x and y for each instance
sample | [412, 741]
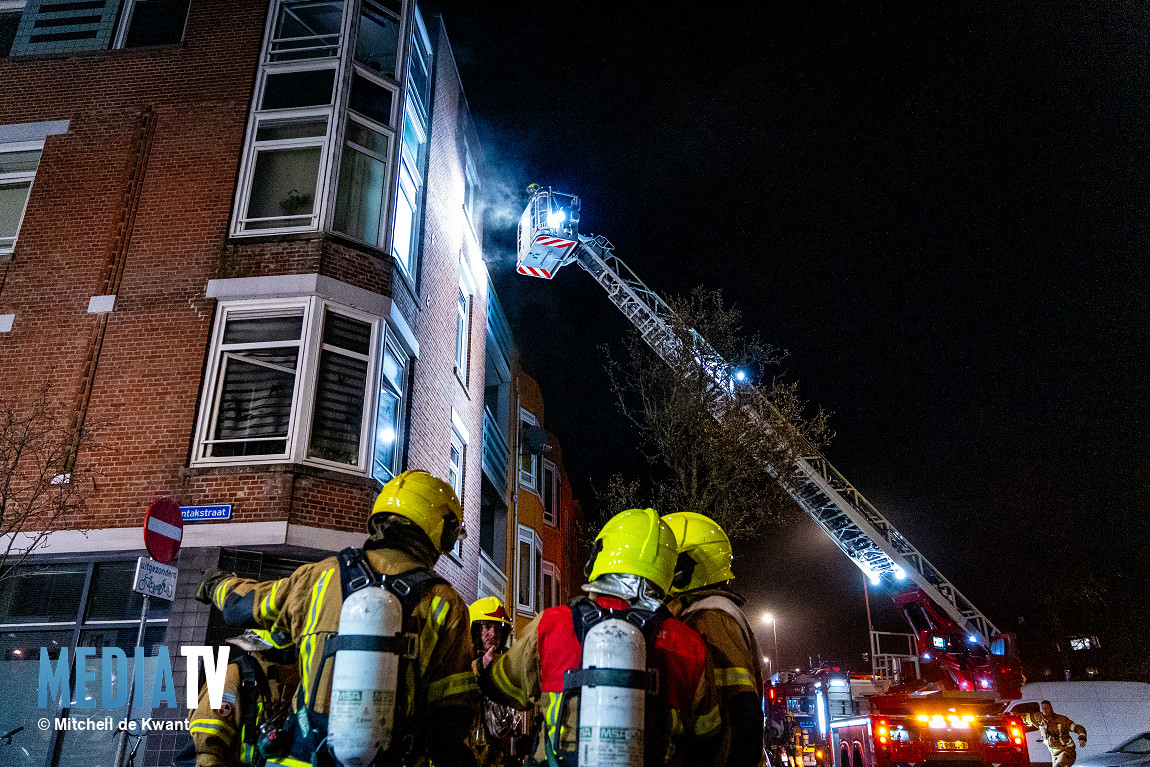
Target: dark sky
[938, 209]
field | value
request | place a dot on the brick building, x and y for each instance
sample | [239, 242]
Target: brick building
[240, 243]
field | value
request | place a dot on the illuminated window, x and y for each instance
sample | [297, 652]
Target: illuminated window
[550, 493]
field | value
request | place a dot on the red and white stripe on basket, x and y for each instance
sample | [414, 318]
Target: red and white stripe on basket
[533, 272]
[553, 242]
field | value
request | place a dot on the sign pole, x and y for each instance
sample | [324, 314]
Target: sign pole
[122, 736]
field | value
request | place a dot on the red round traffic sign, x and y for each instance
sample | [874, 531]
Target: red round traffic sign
[163, 529]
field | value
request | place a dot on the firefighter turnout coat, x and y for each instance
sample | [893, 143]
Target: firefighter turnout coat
[1059, 733]
[683, 712]
[227, 736]
[307, 604]
[714, 613]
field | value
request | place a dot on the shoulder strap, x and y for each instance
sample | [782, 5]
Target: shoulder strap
[726, 605]
[410, 586]
[253, 685]
[355, 572]
[585, 614]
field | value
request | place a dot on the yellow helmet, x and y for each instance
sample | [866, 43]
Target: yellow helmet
[636, 542]
[704, 551]
[489, 609]
[428, 502]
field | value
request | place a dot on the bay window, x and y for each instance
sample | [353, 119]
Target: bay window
[337, 139]
[18, 164]
[529, 572]
[294, 380]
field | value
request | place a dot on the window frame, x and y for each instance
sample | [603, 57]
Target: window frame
[528, 478]
[528, 535]
[551, 490]
[298, 440]
[19, 177]
[549, 569]
[464, 302]
[124, 24]
[392, 343]
[457, 441]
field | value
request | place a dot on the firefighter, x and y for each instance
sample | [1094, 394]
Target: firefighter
[702, 598]
[257, 689]
[630, 573]
[496, 725]
[1057, 733]
[414, 520]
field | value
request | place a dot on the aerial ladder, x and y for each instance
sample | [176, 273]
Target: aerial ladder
[955, 645]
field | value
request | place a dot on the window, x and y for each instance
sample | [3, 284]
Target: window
[456, 453]
[389, 411]
[550, 494]
[10, 12]
[151, 22]
[409, 200]
[1083, 643]
[281, 183]
[288, 381]
[306, 29]
[18, 163]
[462, 333]
[470, 185]
[529, 572]
[550, 585]
[528, 461]
[66, 605]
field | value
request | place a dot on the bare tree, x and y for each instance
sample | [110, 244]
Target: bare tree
[41, 489]
[731, 456]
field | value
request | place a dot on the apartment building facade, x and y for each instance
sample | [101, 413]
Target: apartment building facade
[241, 247]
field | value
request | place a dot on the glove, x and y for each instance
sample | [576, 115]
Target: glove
[209, 583]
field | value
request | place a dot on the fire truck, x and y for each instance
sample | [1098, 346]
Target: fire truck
[949, 689]
[797, 714]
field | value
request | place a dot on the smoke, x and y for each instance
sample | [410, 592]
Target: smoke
[504, 192]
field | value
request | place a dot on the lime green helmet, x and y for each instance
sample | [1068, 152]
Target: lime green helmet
[704, 556]
[636, 542]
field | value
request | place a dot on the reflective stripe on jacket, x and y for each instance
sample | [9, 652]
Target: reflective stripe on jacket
[307, 604]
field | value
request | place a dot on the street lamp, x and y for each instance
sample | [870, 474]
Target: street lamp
[768, 618]
[770, 665]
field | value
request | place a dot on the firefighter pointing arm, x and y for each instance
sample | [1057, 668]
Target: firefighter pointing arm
[702, 598]
[1057, 733]
[621, 683]
[404, 627]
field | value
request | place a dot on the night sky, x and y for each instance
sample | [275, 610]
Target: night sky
[938, 209]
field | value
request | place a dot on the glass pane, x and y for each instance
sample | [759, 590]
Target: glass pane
[290, 90]
[359, 202]
[371, 140]
[8, 24]
[282, 130]
[524, 573]
[413, 139]
[306, 29]
[420, 65]
[157, 22]
[338, 416]
[370, 100]
[19, 162]
[346, 333]
[111, 597]
[241, 330]
[20, 670]
[378, 40]
[42, 594]
[386, 436]
[539, 574]
[13, 198]
[393, 368]
[85, 748]
[283, 184]
[255, 401]
[403, 230]
[548, 589]
[548, 493]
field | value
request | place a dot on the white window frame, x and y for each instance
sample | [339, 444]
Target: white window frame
[392, 343]
[549, 568]
[529, 474]
[303, 396]
[252, 148]
[463, 304]
[269, 37]
[470, 189]
[552, 519]
[457, 442]
[19, 177]
[389, 167]
[535, 548]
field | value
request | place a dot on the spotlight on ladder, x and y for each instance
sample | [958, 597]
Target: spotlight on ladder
[556, 219]
[899, 573]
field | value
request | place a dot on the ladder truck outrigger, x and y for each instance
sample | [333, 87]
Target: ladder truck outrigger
[950, 691]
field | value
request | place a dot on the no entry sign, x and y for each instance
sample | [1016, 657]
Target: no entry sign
[163, 529]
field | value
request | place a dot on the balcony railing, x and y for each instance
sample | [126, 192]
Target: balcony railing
[496, 455]
[497, 327]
